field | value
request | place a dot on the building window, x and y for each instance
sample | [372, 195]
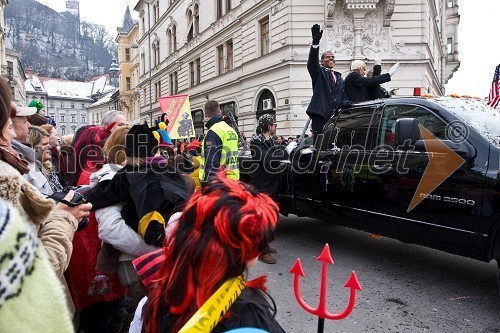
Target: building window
[144, 94]
[62, 104]
[229, 55]
[73, 129]
[127, 83]
[192, 81]
[13, 92]
[72, 105]
[220, 59]
[174, 38]
[196, 20]
[449, 45]
[220, 11]
[143, 25]
[143, 63]
[156, 53]
[223, 7]
[83, 119]
[264, 36]
[62, 118]
[127, 54]
[63, 130]
[198, 70]
[158, 89]
[83, 106]
[176, 85]
[10, 68]
[225, 57]
[51, 105]
[450, 3]
[156, 12]
[93, 118]
[73, 118]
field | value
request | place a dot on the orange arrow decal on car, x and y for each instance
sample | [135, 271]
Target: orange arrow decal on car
[443, 162]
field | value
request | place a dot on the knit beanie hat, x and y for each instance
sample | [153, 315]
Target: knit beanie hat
[140, 142]
[29, 284]
[37, 104]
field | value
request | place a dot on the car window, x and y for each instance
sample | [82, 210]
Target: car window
[386, 133]
[350, 129]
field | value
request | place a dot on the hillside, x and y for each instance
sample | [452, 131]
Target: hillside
[57, 44]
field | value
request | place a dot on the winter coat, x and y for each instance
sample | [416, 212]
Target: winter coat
[268, 154]
[326, 97]
[35, 176]
[251, 309]
[356, 86]
[55, 228]
[112, 228]
[81, 269]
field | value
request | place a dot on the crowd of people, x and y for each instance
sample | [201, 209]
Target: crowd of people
[116, 224]
[117, 228]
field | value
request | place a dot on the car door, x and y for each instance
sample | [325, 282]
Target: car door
[445, 218]
[339, 182]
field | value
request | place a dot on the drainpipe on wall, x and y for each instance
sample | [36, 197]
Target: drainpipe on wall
[443, 45]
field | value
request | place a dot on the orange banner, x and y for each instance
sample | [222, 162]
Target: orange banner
[178, 112]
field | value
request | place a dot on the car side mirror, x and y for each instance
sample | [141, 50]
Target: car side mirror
[406, 129]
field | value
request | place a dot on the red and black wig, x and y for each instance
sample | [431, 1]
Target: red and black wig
[225, 225]
[86, 152]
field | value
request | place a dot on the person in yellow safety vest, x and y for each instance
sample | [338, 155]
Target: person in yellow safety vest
[219, 150]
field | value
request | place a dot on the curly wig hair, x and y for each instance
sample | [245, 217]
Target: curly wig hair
[225, 225]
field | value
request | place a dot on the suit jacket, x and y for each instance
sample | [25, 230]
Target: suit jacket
[356, 86]
[326, 97]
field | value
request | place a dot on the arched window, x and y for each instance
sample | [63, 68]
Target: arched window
[190, 22]
[174, 39]
[196, 19]
[266, 103]
[169, 39]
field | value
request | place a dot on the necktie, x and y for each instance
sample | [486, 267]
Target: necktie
[334, 81]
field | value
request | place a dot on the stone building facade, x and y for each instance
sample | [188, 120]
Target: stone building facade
[128, 62]
[251, 55]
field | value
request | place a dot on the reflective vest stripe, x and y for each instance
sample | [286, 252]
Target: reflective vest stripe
[229, 153]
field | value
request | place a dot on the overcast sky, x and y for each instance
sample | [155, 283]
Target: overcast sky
[478, 43]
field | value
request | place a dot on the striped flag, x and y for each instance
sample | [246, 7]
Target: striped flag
[494, 97]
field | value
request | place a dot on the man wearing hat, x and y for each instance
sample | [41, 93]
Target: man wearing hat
[20, 145]
[219, 150]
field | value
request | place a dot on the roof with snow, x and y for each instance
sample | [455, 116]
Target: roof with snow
[59, 88]
[105, 99]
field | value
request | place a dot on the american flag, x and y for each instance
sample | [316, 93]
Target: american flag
[494, 97]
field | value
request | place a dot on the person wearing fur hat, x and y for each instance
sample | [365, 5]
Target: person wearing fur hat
[150, 189]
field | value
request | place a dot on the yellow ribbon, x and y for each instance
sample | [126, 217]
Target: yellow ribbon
[209, 314]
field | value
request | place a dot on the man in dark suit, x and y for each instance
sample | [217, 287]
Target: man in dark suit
[328, 85]
[356, 84]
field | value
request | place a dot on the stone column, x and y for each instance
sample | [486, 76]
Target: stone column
[358, 9]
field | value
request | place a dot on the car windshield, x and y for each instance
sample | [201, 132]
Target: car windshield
[481, 117]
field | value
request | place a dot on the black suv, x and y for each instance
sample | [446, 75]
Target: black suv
[424, 171]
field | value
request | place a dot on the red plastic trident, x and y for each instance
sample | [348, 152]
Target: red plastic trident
[321, 310]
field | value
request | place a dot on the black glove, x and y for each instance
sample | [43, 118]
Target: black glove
[316, 34]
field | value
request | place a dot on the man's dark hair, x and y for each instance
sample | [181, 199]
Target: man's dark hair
[325, 53]
[211, 108]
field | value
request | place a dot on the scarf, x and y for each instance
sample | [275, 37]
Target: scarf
[8, 155]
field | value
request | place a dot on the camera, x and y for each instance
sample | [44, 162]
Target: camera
[78, 199]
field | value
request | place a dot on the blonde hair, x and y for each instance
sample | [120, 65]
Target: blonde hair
[48, 128]
[36, 134]
[114, 148]
[67, 139]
